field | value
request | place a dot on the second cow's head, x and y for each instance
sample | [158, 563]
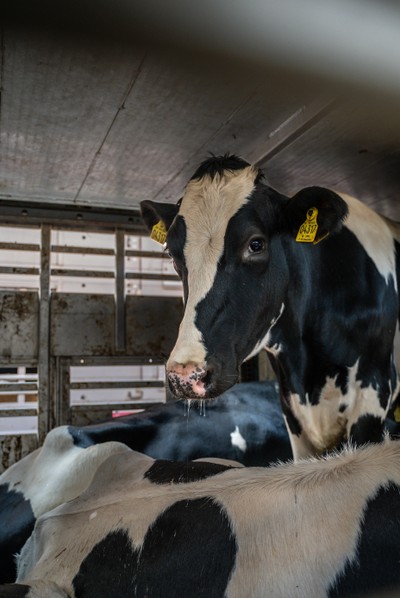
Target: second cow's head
[233, 243]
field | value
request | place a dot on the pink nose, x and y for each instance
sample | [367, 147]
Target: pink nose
[187, 381]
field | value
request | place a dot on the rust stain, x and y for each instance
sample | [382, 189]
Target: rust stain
[13, 448]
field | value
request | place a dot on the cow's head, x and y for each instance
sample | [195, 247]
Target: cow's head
[232, 240]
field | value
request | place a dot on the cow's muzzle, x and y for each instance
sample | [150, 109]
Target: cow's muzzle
[189, 381]
[198, 381]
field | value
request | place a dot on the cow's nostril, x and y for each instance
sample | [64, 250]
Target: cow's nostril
[206, 378]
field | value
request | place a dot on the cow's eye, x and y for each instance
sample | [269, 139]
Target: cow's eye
[256, 245]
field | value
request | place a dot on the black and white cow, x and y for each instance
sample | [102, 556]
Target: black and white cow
[244, 424]
[313, 279]
[143, 528]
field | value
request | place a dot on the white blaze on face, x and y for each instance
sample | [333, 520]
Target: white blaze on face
[374, 234]
[207, 207]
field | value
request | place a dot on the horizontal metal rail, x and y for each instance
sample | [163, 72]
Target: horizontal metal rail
[82, 273]
[135, 404]
[151, 276]
[20, 246]
[109, 274]
[17, 412]
[82, 250]
[19, 270]
[18, 387]
[149, 254]
[117, 384]
[28, 213]
[105, 251]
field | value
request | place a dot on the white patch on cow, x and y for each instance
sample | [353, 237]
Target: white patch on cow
[324, 426]
[375, 235]
[207, 207]
[238, 440]
[296, 526]
[58, 471]
[92, 515]
[265, 342]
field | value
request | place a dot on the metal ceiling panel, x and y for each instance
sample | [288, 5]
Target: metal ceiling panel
[110, 125]
[352, 150]
[85, 121]
[59, 99]
[173, 117]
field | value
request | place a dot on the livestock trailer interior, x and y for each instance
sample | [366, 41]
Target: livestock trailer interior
[104, 107]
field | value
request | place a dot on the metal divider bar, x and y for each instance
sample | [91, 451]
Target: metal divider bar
[44, 423]
[120, 340]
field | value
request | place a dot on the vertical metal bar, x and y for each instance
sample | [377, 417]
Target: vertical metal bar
[120, 341]
[56, 394]
[44, 419]
[64, 391]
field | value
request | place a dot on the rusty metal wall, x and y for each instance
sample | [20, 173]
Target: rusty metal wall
[19, 325]
[81, 328]
[54, 331]
[82, 325]
[15, 447]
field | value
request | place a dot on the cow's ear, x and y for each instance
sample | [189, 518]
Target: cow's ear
[314, 213]
[158, 218]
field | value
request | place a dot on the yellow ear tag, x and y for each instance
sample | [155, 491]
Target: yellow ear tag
[308, 229]
[159, 232]
[397, 414]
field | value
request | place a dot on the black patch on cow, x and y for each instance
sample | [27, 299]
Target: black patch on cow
[332, 210]
[217, 164]
[135, 433]
[189, 550]
[171, 472]
[17, 521]
[293, 423]
[376, 569]
[152, 212]
[110, 569]
[14, 590]
[368, 428]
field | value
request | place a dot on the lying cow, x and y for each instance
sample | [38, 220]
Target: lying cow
[245, 424]
[145, 528]
[313, 279]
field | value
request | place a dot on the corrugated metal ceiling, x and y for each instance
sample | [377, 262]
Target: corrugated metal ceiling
[90, 120]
